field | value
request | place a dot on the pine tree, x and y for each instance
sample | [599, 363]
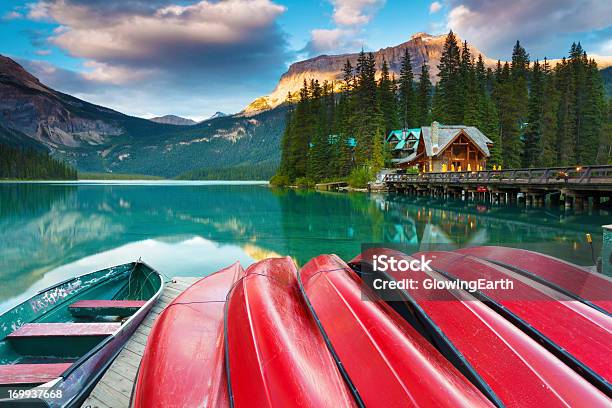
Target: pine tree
[604, 155]
[533, 132]
[423, 97]
[369, 123]
[471, 91]
[318, 153]
[386, 99]
[407, 102]
[507, 109]
[519, 82]
[550, 104]
[448, 99]
[344, 120]
[566, 115]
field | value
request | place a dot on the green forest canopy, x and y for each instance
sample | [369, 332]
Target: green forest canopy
[537, 115]
[30, 164]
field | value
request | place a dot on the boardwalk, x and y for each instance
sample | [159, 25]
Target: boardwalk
[115, 387]
[576, 184]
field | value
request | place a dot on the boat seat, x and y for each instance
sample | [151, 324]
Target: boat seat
[94, 308]
[31, 374]
[59, 339]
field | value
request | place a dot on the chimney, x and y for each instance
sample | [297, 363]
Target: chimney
[434, 137]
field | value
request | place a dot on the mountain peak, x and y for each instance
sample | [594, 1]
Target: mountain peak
[423, 47]
[11, 71]
[173, 120]
[218, 115]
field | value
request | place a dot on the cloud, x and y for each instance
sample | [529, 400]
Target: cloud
[204, 35]
[349, 17]
[150, 98]
[355, 12]
[542, 26]
[435, 7]
[333, 40]
[12, 15]
[116, 75]
[203, 48]
[42, 52]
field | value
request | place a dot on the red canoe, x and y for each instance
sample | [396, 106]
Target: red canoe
[520, 371]
[571, 326]
[276, 355]
[590, 288]
[387, 360]
[183, 363]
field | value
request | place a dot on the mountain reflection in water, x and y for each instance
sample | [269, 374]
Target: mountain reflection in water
[50, 232]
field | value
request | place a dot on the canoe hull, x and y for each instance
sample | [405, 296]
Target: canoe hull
[275, 352]
[519, 371]
[183, 363]
[403, 369]
[592, 289]
[566, 326]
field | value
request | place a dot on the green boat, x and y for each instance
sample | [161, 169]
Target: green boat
[56, 345]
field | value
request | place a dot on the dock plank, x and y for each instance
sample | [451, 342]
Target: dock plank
[115, 387]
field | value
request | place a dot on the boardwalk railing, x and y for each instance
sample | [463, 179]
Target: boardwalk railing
[583, 176]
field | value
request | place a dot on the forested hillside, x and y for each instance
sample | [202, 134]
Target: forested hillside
[29, 164]
[260, 171]
[536, 114]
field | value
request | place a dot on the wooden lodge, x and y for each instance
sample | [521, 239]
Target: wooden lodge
[441, 148]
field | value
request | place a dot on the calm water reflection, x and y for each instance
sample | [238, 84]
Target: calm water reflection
[50, 232]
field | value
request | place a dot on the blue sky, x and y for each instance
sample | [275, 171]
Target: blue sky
[192, 58]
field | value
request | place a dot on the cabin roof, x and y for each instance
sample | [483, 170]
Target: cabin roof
[446, 133]
[400, 135]
[402, 143]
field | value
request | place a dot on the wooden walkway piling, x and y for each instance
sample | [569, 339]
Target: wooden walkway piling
[115, 387]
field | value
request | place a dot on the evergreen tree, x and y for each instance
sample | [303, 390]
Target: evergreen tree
[508, 112]
[566, 114]
[407, 102]
[448, 101]
[550, 103]
[470, 92]
[423, 97]
[368, 120]
[318, 153]
[386, 99]
[533, 132]
[590, 113]
[604, 155]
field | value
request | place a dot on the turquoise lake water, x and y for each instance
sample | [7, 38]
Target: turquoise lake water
[53, 231]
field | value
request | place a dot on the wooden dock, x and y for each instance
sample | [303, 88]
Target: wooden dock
[115, 387]
[577, 185]
[331, 186]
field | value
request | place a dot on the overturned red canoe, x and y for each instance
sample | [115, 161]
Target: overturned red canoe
[387, 360]
[183, 363]
[275, 353]
[520, 371]
[566, 325]
[590, 288]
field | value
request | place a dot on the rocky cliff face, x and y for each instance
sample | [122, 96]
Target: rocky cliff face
[53, 118]
[422, 47]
